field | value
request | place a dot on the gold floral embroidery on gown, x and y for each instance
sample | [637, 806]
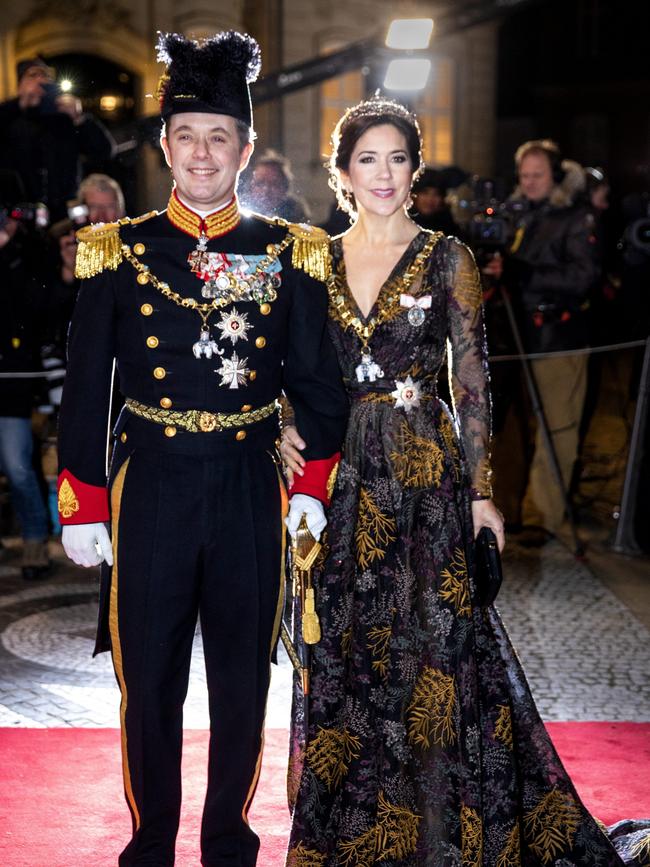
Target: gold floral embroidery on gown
[424, 747]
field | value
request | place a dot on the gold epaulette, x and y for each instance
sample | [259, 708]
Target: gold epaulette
[100, 246]
[311, 250]
[311, 246]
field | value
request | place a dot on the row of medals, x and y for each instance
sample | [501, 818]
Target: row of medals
[227, 287]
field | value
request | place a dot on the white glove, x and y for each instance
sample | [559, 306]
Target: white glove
[87, 544]
[303, 504]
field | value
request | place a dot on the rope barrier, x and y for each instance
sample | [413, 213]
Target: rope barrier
[587, 350]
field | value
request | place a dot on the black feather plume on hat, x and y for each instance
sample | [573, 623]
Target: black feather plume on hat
[208, 76]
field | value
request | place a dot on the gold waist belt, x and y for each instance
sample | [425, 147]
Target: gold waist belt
[198, 420]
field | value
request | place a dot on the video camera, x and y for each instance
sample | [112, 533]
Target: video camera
[32, 215]
[490, 218]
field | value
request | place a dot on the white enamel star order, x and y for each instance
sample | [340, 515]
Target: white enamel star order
[407, 394]
[233, 371]
[233, 325]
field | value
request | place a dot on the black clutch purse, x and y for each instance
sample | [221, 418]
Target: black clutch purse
[488, 574]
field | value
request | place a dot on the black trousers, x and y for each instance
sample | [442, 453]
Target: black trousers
[195, 536]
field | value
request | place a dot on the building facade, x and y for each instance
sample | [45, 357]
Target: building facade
[456, 109]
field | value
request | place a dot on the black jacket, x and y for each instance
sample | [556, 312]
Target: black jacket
[286, 348]
[44, 150]
[552, 267]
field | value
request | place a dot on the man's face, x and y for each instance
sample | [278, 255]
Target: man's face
[102, 206]
[268, 186]
[536, 177]
[30, 91]
[428, 201]
[204, 155]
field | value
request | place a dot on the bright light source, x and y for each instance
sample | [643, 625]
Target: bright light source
[108, 103]
[407, 74]
[66, 85]
[410, 33]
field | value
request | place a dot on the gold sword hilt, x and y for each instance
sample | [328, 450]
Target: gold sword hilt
[304, 551]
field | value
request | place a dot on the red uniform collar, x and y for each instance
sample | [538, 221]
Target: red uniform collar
[213, 226]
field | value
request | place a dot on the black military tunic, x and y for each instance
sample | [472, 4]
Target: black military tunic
[194, 493]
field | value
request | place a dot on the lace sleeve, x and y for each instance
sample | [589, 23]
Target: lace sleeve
[469, 378]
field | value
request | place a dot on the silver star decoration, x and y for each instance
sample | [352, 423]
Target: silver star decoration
[233, 325]
[233, 371]
[407, 394]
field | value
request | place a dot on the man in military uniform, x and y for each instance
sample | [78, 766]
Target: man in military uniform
[210, 316]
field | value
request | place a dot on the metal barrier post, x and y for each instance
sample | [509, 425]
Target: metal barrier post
[625, 540]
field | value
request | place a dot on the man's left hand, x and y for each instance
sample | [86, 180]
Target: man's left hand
[313, 510]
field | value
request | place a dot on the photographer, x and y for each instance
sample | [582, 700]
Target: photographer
[99, 200]
[21, 289]
[43, 134]
[550, 269]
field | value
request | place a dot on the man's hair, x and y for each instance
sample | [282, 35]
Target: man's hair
[245, 133]
[105, 184]
[544, 147]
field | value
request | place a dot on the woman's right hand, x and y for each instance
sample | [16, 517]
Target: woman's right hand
[290, 447]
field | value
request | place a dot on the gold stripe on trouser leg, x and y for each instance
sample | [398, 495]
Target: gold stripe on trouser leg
[116, 500]
[276, 629]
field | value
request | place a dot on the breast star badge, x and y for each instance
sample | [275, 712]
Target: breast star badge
[407, 394]
[233, 325]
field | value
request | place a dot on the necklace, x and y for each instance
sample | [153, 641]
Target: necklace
[368, 369]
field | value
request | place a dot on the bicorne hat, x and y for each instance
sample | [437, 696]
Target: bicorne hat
[210, 76]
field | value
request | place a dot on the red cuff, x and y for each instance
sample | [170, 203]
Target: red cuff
[80, 503]
[318, 479]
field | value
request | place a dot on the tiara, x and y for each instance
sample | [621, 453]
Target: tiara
[376, 106]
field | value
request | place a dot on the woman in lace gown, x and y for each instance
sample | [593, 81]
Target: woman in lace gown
[424, 746]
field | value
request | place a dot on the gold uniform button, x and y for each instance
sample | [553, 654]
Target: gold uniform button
[142, 278]
[139, 249]
[159, 372]
[246, 407]
[240, 435]
[170, 431]
[165, 402]
[265, 309]
[252, 374]
[123, 437]
[146, 310]
[152, 342]
[270, 249]
[260, 342]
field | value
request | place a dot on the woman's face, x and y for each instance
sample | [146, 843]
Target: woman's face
[380, 171]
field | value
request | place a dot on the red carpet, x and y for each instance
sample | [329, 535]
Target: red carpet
[61, 801]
